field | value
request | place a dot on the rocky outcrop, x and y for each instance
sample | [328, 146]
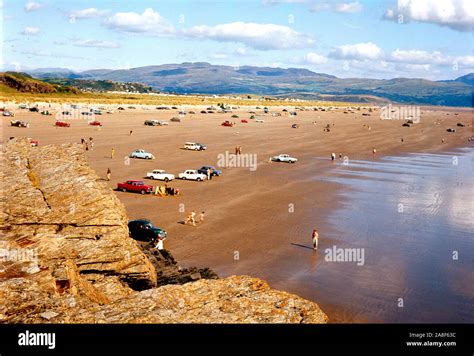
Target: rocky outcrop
[65, 256]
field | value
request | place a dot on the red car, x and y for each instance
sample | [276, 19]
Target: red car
[62, 124]
[227, 123]
[244, 121]
[135, 186]
[95, 123]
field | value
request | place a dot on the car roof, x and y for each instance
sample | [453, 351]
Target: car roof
[140, 220]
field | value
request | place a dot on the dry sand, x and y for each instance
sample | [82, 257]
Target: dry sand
[249, 225]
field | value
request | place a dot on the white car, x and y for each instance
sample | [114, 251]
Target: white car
[284, 158]
[160, 174]
[260, 120]
[192, 174]
[194, 146]
[141, 154]
[162, 123]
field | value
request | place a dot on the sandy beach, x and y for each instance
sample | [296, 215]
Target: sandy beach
[257, 219]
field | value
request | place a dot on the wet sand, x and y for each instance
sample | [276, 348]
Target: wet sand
[257, 223]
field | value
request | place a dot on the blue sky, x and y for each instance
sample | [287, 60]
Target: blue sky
[378, 39]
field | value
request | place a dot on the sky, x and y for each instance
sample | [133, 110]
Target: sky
[431, 39]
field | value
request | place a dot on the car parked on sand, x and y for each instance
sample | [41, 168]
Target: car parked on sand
[144, 230]
[192, 174]
[227, 123]
[62, 124]
[34, 109]
[284, 158]
[95, 123]
[160, 174]
[135, 186]
[151, 123]
[244, 121]
[260, 121]
[194, 146]
[175, 119]
[141, 154]
[19, 123]
[215, 172]
[8, 113]
[163, 123]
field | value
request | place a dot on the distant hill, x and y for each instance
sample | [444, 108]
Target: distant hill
[23, 82]
[466, 79]
[205, 78]
[101, 85]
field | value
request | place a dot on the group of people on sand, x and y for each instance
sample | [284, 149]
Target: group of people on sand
[87, 144]
[333, 155]
[191, 218]
[164, 190]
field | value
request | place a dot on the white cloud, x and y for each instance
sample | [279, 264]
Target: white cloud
[467, 61]
[96, 43]
[350, 7]
[359, 51]
[88, 13]
[418, 57]
[254, 35]
[455, 14]
[149, 22]
[30, 31]
[314, 58]
[32, 6]
[343, 7]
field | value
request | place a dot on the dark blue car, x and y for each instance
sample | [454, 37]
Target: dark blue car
[215, 172]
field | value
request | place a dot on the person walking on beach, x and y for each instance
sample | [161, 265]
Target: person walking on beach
[193, 218]
[112, 153]
[333, 156]
[209, 175]
[130, 133]
[374, 151]
[201, 217]
[109, 173]
[315, 237]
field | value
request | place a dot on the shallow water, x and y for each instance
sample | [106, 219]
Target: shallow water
[413, 217]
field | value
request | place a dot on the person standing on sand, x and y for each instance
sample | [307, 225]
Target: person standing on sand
[333, 156]
[130, 133]
[374, 151]
[112, 153]
[315, 238]
[193, 218]
[109, 173]
[209, 176]
[159, 244]
[201, 217]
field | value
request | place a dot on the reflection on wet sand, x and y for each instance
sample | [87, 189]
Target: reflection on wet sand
[414, 216]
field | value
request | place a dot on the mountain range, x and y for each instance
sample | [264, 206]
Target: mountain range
[205, 78]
